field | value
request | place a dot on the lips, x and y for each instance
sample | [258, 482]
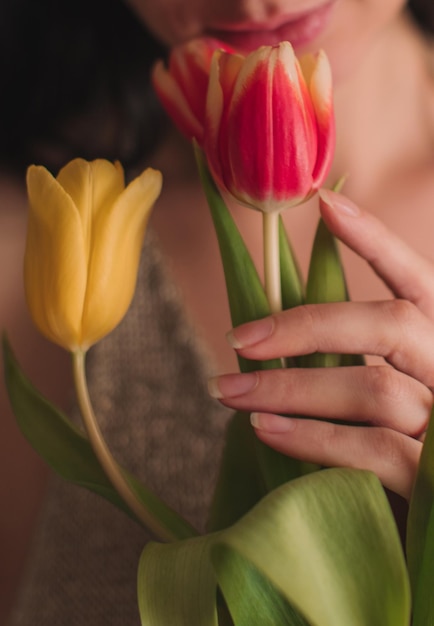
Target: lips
[300, 29]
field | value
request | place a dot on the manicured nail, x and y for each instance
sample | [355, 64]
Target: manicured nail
[338, 202]
[272, 423]
[250, 334]
[232, 385]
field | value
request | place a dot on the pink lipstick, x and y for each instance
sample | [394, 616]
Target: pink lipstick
[299, 29]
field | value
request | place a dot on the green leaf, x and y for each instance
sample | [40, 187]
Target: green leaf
[277, 469]
[326, 280]
[321, 550]
[252, 598]
[329, 544]
[239, 485]
[68, 452]
[248, 471]
[326, 283]
[177, 585]
[247, 299]
[420, 533]
[291, 278]
[423, 606]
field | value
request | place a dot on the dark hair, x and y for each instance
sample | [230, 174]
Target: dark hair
[423, 13]
[75, 82]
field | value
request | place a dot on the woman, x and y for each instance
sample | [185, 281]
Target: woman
[384, 94]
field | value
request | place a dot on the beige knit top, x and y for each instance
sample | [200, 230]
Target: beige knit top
[148, 386]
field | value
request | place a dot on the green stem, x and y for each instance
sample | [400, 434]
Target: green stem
[108, 463]
[273, 288]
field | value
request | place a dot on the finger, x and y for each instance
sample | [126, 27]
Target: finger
[392, 456]
[394, 329]
[378, 395]
[405, 272]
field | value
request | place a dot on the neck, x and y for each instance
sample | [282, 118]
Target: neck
[384, 111]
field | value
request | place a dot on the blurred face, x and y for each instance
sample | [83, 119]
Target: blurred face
[343, 28]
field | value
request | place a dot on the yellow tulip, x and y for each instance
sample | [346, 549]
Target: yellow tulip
[84, 238]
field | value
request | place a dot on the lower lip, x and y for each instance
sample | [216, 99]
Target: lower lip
[300, 31]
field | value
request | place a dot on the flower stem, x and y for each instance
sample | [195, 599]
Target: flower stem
[273, 288]
[108, 463]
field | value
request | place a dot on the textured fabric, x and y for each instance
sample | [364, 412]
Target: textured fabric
[147, 383]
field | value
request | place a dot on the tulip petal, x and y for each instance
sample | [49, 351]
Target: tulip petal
[115, 256]
[93, 187]
[182, 88]
[317, 72]
[189, 66]
[175, 103]
[54, 263]
[271, 132]
[223, 74]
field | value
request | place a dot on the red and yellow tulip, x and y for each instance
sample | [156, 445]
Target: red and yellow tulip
[269, 128]
[265, 120]
[182, 86]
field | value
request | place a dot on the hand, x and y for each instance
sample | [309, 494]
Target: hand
[394, 399]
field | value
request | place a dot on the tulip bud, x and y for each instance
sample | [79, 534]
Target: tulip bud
[183, 86]
[269, 129]
[84, 237]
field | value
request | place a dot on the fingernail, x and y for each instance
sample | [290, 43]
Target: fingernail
[232, 385]
[338, 202]
[272, 423]
[251, 333]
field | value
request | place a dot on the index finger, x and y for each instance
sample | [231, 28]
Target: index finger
[407, 273]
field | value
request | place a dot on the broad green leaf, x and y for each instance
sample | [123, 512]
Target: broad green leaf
[329, 543]
[177, 585]
[68, 452]
[322, 550]
[251, 598]
[420, 534]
